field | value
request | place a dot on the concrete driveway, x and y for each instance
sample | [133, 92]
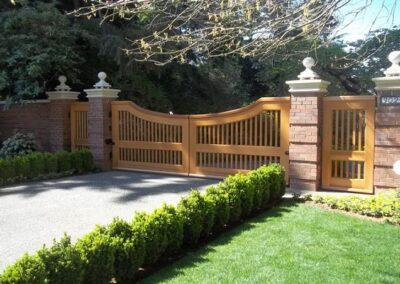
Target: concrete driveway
[35, 213]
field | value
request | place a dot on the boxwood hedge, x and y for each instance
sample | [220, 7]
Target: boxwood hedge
[117, 252]
[41, 165]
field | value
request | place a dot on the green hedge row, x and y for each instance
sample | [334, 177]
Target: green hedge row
[117, 251]
[40, 165]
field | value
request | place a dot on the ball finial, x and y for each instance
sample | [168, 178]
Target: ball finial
[102, 75]
[394, 70]
[394, 57]
[308, 73]
[62, 79]
[308, 62]
[102, 84]
[62, 86]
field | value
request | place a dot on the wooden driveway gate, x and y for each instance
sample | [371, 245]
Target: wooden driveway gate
[348, 143]
[211, 144]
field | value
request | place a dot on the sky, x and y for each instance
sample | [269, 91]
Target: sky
[378, 14]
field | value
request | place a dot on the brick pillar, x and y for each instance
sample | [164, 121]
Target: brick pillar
[59, 116]
[387, 126]
[99, 120]
[305, 142]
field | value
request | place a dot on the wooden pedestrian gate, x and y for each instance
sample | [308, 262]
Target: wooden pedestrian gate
[348, 143]
[203, 145]
[79, 125]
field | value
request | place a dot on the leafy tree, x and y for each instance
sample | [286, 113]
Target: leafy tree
[36, 46]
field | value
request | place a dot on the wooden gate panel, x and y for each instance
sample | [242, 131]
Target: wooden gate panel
[240, 140]
[348, 143]
[79, 125]
[146, 140]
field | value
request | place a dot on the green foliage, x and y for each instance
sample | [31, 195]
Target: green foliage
[62, 261]
[239, 185]
[51, 163]
[98, 255]
[32, 52]
[63, 161]
[118, 250]
[261, 186]
[87, 160]
[218, 199]
[385, 204]
[27, 270]
[18, 144]
[162, 231]
[77, 159]
[129, 250]
[40, 165]
[196, 218]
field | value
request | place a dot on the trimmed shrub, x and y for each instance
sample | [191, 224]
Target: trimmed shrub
[39, 165]
[239, 184]
[62, 261]
[162, 231]
[261, 183]
[220, 200]
[129, 250]
[77, 161]
[277, 177]
[97, 253]
[27, 270]
[51, 163]
[18, 144]
[22, 166]
[87, 160]
[197, 216]
[7, 170]
[63, 161]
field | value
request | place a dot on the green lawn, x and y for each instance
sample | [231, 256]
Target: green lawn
[294, 243]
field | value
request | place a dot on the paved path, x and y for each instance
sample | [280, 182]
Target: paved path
[34, 213]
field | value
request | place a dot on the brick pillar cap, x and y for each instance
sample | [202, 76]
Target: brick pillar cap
[387, 83]
[307, 86]
[62, 95]
[102, 93]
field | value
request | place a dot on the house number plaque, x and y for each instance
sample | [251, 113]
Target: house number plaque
[390, 101]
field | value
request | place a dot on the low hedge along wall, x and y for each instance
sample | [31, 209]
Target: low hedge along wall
[39, 165]
[117, 251]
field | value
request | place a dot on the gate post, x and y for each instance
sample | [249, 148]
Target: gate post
[305, 142]
[60, 106]
[99, 121]
[387, 125]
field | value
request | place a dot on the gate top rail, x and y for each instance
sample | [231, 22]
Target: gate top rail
[271, 100]
[148, 112]
[254, 105]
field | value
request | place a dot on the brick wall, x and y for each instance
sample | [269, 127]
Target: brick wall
[387, 145]
[31, 117]
[305, 141]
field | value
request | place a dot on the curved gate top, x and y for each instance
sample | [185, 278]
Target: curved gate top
[205, 145]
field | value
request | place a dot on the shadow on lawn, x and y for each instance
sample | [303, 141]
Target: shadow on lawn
[193, 257]
[131, 185]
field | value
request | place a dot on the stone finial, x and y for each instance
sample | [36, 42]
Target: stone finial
[308, 73]
[394, 70]
[102, 84]
[62, 86]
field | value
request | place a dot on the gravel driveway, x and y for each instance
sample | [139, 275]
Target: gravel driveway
[34, 213]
